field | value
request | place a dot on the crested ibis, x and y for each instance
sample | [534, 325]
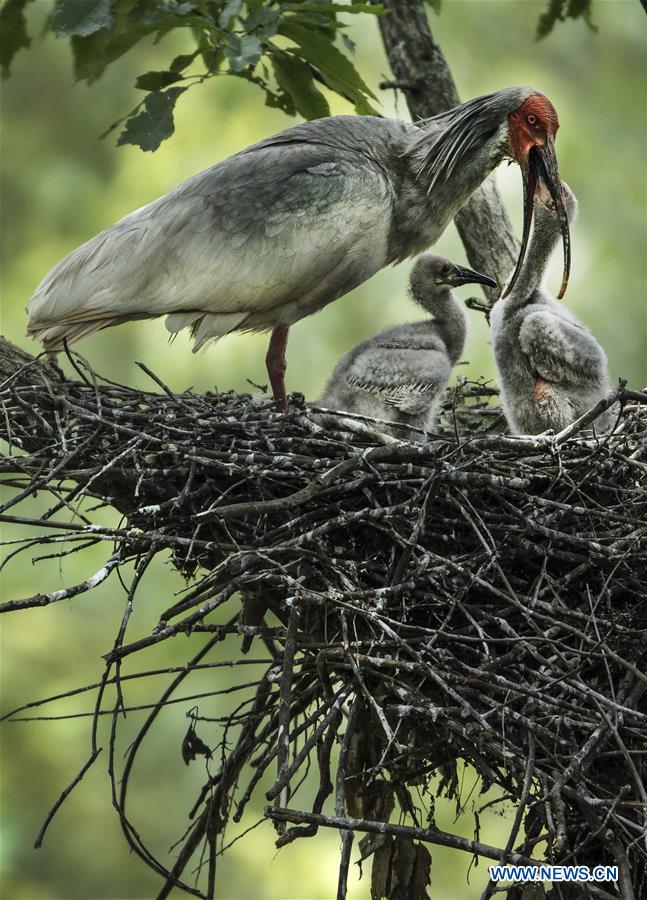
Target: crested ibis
[279, 230]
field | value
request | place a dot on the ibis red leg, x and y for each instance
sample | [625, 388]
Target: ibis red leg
[276, 365]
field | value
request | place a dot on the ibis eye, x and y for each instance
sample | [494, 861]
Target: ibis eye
[531, 120]
[446, 269]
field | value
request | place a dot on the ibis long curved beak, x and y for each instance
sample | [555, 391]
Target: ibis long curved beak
[463, 275]
[541, 162]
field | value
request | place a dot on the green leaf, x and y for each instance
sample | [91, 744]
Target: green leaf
[81, 17]
[581, 9]
[178, 8]
[318, 16]
[250, 49]
[232, 8]
[554, 12]
[264, 22]
[155, 123]
[280, 101]
[242, 52]
[295, 78]
[94, 53]
[560, 10]
[275, 100]
[13, 32]
[155, 81]
[133, 20]
[181, 62]
[325, 25]
[373, 9]
[212, 56]
[336, 69]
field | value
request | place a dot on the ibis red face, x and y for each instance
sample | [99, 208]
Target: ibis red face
[532, 129]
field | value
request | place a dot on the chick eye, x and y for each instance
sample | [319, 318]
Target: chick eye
[531, 120]
[446, 269]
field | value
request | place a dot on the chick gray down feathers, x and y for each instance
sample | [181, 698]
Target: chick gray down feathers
[400, 374]
[551, 369]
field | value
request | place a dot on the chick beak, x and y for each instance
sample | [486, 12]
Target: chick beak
[463, 275]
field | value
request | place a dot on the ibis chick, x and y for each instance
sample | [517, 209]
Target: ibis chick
[401, 373]
[551, 368]
[281, 229]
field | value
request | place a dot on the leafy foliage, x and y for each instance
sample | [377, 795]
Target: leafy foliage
[296, 81]
[154, 124]
[13, 32]
[337, 71]
[237, 37]
[560, 10]
[81, 17]
[156, 81]
[288, 48]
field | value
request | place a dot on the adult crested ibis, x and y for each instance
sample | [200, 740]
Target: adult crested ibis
[551, 368]
[401, 373]
[281, 229]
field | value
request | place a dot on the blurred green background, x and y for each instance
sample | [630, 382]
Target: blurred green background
[60, 186]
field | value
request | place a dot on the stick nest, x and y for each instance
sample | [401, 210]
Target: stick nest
[466, 597]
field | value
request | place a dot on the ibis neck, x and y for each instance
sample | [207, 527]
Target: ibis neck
[545, 238]
[449, 320]
[423, 208]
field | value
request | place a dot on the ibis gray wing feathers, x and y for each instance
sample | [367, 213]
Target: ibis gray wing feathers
[313, 227]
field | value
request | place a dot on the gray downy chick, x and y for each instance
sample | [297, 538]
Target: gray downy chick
[401, 373]
[551, 368]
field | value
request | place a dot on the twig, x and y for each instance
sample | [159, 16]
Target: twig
[427, 835]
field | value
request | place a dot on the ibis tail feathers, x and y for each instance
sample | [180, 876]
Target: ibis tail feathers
[54, 335]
